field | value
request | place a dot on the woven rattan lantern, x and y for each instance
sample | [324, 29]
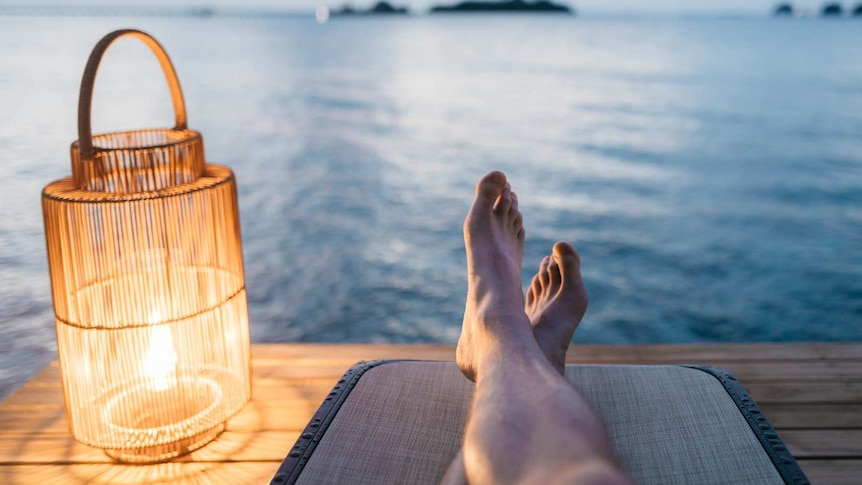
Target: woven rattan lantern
[147, 278]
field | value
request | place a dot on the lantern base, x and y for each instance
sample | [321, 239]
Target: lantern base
[159, 420]
[165, 452]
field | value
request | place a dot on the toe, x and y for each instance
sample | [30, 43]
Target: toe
[530, 296]
[536, 285]
[543, 276]
[489, 188]
[554, 272]
[566, 257]
[522, 235]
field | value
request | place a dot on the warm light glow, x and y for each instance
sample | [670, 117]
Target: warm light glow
[161, 362]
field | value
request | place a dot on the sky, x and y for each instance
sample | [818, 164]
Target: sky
[583, 6]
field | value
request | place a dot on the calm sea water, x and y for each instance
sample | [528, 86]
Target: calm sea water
[708, 170]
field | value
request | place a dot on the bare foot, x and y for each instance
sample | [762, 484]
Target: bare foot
[556, 303]
[494, 238]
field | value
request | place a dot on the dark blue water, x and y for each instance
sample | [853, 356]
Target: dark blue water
[708, 170]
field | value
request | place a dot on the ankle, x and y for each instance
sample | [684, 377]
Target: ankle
[504, 347]
[554, 349]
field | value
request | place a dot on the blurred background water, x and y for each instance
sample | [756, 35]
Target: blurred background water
[709, 170]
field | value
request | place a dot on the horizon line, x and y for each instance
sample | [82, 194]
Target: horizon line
[108, 10]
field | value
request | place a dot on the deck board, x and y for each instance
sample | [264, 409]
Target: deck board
[832, 472]
[812, 393]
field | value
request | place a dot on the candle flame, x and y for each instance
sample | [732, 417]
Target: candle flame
[161, 360]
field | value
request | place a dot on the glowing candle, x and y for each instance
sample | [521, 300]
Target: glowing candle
[160, 363]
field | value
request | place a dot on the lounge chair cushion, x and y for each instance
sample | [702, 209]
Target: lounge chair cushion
[402, 422]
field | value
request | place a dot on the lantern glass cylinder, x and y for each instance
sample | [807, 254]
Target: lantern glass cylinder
[145, 257]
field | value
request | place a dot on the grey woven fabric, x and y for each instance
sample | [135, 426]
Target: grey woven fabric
[674, 425]
[403, 422]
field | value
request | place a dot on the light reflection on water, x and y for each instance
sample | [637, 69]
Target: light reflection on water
[709, 171]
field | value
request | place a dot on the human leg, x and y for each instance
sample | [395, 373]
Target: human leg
[526, 424]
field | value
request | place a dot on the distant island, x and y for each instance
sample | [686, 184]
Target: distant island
[380, 8]
[503, 6]
[829, 9]
[836, 10]
[784, 9]
[832, 10]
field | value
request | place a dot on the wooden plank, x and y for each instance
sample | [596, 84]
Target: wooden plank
[813, 416]
[319, 367]
[23, 419]
[299, 369]
[255, 416]
[263, 416]
[47, 399]
[670, 353]
[354, 352]
[274, 372]
[832, 472]
[35, 448]
[819, 391]
[705, 353]
[293, 416]
[744, 371]
[165, 473]
[805, 392]
[819, 371]
[35, 398]
[823, 443]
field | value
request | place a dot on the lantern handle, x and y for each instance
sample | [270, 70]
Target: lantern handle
[85, 99]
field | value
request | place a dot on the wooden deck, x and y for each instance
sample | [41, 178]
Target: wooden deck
[812, 393]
